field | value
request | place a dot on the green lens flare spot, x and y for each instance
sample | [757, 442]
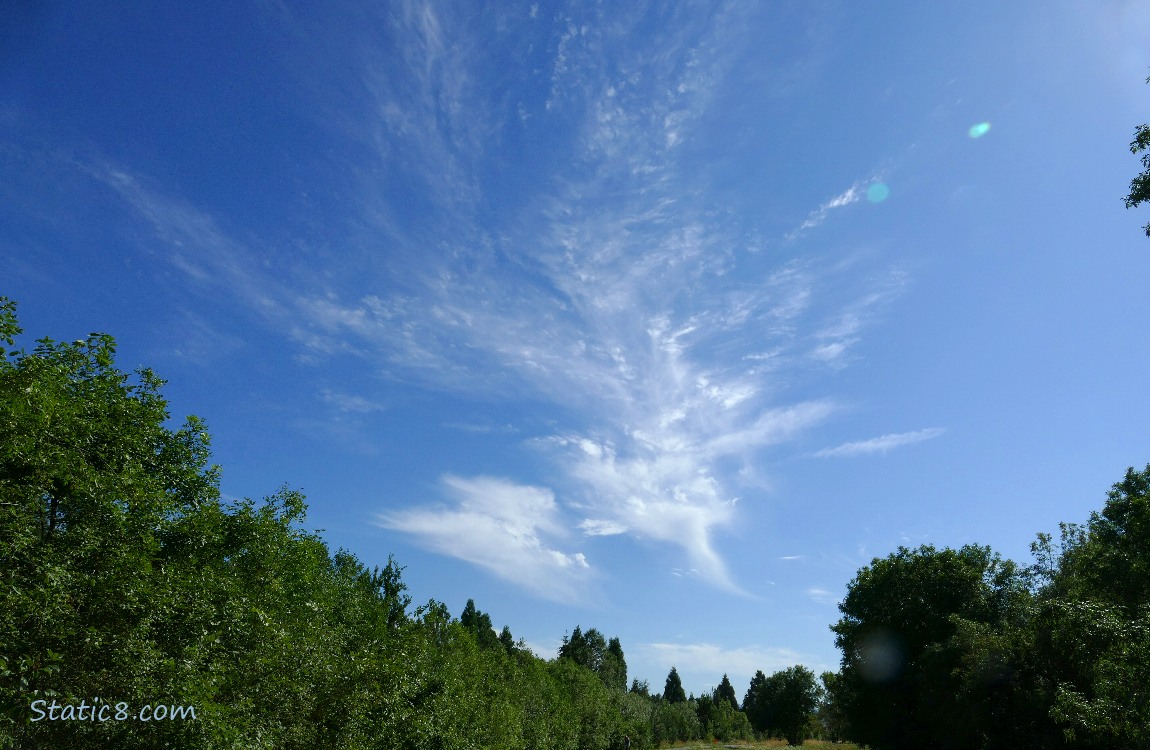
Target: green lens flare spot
[979, 130]
[878, 192]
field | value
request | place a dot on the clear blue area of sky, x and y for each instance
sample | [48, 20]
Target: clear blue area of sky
[656, 318]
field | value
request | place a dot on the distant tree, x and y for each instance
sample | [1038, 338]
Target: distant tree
[478, 623]
[800, 697]
[507, 640]
[614, 666]
[640, 687]
[754, 702]
[595, 650]
[673, 691]
[830, 710]
[575, 648]
[704, 709]
[675, 721]
[592, 651]
[726, 691]
[784, 704]
[1140, 185]
[727, 722]
[469, 617]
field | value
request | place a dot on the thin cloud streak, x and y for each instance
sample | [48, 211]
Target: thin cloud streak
[880, 444]
[851, 195]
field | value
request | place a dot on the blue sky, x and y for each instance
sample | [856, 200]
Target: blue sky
[658, 319]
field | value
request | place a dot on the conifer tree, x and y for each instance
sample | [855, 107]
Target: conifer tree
[673, 691]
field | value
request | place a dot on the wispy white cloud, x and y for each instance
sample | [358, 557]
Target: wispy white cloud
[880, 444]
[349, 403]
[833, 341]
[194, 243]
[617, 301]
[610, 289]
[501, 526]
[816, 217]
[483, 428]
[822, 596]
[599, 527]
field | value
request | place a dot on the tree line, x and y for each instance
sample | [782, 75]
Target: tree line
[126, 579]
[125, 576]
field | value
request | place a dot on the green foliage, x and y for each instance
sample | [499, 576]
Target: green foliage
[123, 576]
[753, 702]
[592, 651]
[960, 649]
[726, 722]
[1092, 624]
[673, 689]
[899, 662]
[784, 704]
[1140, 185]
[726, 692]
[832, 721]
[675, 721]
[614, 668]
[479, 625]
[507, 640]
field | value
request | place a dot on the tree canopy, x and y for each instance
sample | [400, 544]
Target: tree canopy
[1140, 185]
[673, 689]
[124, 576]
[958, 648]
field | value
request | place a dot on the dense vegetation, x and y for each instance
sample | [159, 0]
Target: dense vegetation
[959, 648]
[123, 575]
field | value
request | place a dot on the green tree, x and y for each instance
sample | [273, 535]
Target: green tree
[673, 689]
[755, 701]
[1092, 631]
[592, 651]
[1140, 185]
[122, 575]
[726, 691]
[704, 709]
[89, 478]
[507, 640]
[478, 623]
[795, 704]
[614, 667]
[675, 721]
[830, 711]
[900, 665]
[784, 704]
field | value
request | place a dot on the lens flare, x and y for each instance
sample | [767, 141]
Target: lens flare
[881, 657]
[878, 192]
[979, 130]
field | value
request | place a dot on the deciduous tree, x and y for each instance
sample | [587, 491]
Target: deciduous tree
[1140, 185]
